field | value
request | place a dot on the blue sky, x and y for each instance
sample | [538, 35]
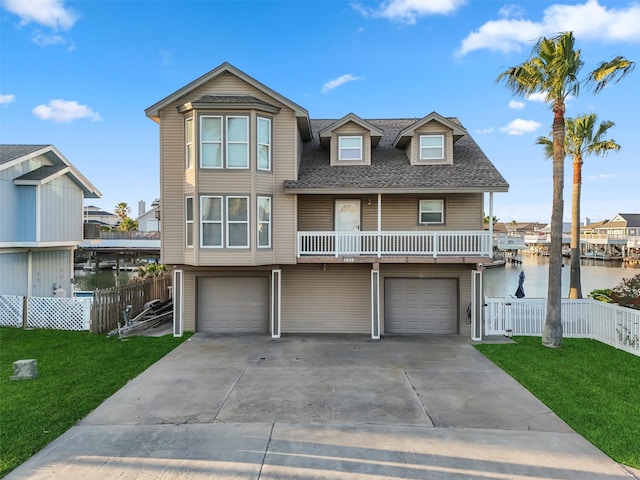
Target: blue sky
[79, 74]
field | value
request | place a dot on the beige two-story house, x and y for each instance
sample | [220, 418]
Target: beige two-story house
[275, 223]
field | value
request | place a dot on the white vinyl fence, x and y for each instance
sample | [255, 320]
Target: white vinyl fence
[45, 312]
[583, 318]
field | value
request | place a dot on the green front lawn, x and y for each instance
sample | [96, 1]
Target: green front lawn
[593, 387]
[77, 372]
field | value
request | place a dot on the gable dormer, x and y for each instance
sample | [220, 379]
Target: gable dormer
[350, 140]
[430, 140]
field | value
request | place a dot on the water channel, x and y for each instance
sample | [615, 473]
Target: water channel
[497, 282]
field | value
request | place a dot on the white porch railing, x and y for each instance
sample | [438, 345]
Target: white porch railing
[46, 312]
[583, 318]
[345, 244]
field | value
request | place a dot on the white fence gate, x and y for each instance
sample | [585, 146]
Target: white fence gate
[582, 318]
[45, 312]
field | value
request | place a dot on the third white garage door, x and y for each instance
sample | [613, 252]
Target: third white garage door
[420, 305]
[233, 304]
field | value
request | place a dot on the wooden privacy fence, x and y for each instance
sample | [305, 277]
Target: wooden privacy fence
[582, 318]
[108, 303]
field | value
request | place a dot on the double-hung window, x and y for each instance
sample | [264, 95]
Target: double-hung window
[188, 215]
[211, 221]
[188, 136]
[264, 144]
[431, 147]
[237, 142]
[224, 141]
[264, 222]
[431, 211]
[349, 148]
[237, 222]
[211, 142]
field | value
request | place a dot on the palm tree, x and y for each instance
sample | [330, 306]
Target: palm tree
[583, 137]
[553, 70]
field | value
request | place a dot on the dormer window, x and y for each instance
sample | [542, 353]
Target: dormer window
[350, 148]
[431, 147]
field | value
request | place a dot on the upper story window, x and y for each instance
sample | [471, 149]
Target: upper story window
[226, 137]
[224, 221]
[211, 221]
[431, 147]
[188, 215]
[264, 222]
[188, 135]
[349, 148]
[264, 144]
[431, 211]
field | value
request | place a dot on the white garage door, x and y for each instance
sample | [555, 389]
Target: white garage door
[420, 305]
[233, 304]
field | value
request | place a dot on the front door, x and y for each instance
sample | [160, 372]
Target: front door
[347, 227]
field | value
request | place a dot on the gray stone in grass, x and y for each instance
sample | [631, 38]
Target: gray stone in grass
[25, 369]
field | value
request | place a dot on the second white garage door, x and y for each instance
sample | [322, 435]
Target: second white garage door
[420, 305]
[233, 304]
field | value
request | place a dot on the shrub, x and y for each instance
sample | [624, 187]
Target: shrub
[627, 292]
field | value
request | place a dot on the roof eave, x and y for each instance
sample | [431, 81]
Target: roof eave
[392, 190]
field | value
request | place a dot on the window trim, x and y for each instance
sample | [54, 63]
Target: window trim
[260, 222]
[341, 148]
[188, 223]
[228, 222]
[203, 222]
[442, 147]
[220, 143]
[189, 142]
[420, 211]
[228, 142]
[259, 144]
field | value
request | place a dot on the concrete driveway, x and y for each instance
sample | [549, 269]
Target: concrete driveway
[330, 407]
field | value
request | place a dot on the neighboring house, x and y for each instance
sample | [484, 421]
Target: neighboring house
[277, 223]
[623, 224]
[41, 198]
[149, 220]
[96, 216]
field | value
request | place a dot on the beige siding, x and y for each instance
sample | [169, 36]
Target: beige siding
[176, 183]
[351, 129]
[337, 300]
[461, 272]
[399, 212]
[190, 306]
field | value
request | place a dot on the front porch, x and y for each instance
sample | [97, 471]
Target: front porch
[472, 245]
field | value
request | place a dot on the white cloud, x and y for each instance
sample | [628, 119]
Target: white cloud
[407, 11]
[7, 99]
[520, 127]
[63, 111]
[588, 21]
[484, 131]
[537, 97]
[341, 80]
[46, 40]
[49, 13]
[515, 105]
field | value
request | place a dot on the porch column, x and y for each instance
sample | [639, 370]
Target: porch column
[490, 225]
[379, 236]
[178, 302]
[276, 298]
[375, 301]
[477, 303]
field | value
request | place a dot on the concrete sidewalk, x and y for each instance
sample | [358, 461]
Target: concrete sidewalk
[303, 407]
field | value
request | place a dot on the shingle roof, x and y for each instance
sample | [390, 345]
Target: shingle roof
[390, 168]
[11, 152]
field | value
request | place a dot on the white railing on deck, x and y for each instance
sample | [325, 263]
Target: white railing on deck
[344, 244]
[583, 318]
